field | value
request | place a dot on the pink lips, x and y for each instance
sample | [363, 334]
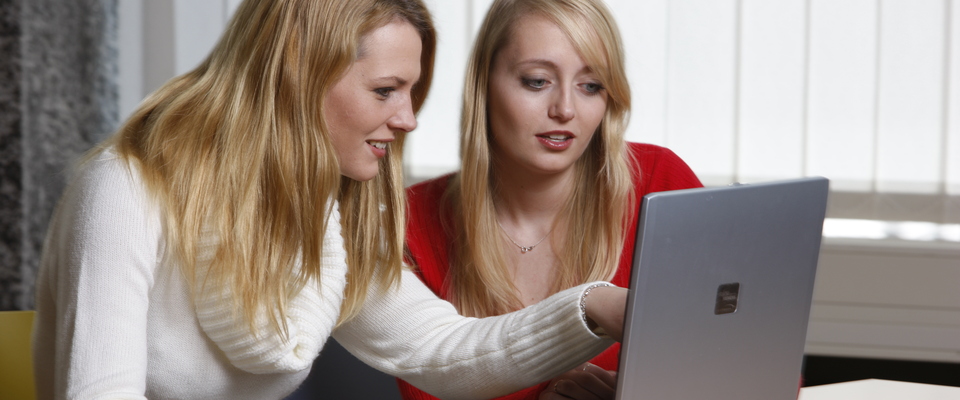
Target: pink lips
[380, 153]
[546, 139]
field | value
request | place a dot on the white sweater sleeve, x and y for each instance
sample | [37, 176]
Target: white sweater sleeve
[311, 315]
[97, 270]
[412, 334]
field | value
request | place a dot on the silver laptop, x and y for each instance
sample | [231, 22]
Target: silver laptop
[720, 292]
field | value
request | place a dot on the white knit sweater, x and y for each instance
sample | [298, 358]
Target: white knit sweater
[115, 318]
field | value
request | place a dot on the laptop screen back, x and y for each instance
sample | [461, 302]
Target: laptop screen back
[721, 289]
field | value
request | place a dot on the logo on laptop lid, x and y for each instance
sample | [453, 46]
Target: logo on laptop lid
[728, 296]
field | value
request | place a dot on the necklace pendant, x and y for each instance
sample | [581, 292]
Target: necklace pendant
[523, 249]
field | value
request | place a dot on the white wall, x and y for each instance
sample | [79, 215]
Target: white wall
[160, 39]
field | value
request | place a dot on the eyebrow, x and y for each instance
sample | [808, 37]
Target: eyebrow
[551, 64]
[393, 79]
[538, 61]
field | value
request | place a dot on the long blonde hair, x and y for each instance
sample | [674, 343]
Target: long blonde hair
[240, 146]
[479, 280]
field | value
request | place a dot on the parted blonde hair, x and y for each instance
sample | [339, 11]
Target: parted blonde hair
[602, 196]
[240, 146]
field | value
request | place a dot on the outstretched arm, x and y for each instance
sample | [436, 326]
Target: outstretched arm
[410, 333]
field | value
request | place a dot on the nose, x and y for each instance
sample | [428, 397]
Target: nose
[404, 119]
[562, 108]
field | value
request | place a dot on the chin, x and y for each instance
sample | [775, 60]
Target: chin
[361, 176]
[554, 166]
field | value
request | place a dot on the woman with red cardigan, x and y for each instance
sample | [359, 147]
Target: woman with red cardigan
[548, 190]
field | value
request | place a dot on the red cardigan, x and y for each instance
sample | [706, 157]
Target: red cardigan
[428, 241]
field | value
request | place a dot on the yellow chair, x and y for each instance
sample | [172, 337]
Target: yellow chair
[16, 360]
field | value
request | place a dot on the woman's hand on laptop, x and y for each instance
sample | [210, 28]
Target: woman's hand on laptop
[586, 382]
[605, 307]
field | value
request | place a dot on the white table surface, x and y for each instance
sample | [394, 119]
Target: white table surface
[878, 389]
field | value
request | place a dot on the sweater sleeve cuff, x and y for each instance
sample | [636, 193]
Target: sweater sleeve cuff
[597, 330]
[550, 344]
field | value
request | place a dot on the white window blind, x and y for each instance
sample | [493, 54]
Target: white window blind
[864, 92]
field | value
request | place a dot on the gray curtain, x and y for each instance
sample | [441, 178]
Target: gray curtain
[58, 97]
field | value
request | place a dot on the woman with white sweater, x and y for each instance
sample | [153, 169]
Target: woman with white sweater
[253, 207]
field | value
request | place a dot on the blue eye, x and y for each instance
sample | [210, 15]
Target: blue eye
[592, 87]
[534, 83]
[383, 92]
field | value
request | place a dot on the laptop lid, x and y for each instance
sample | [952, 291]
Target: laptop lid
[721, 288]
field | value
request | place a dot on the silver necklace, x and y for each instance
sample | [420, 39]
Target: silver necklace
[523, 249]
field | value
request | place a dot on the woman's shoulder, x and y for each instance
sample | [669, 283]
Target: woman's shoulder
[661, 168]
[648, 150]
[104, 170]
[428, 191]
[105, 214]
[647, 154]
[106, 187]
[428, 219]
[105, 167]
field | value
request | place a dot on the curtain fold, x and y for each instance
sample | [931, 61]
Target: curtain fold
[66, 56]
